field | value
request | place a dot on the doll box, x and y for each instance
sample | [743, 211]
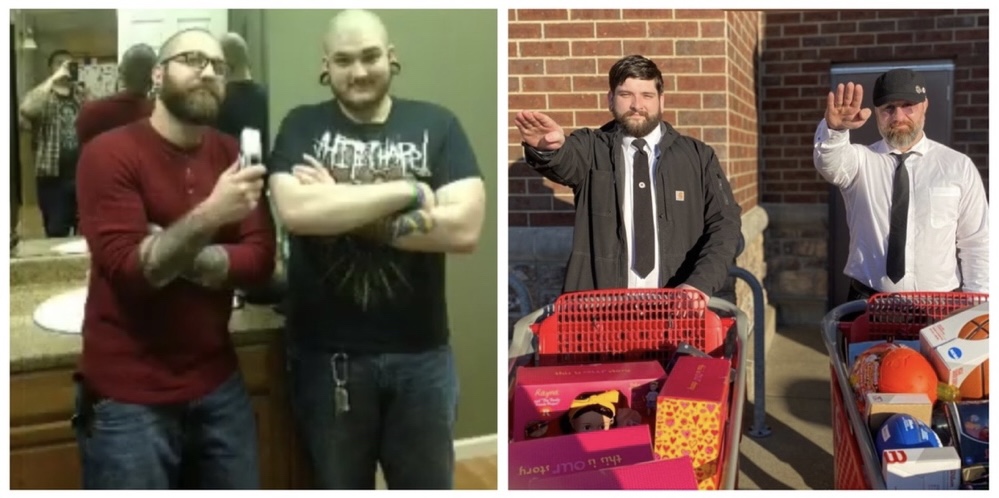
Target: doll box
[673, 474]
[563, 455]
[690, 419]
[542, 394]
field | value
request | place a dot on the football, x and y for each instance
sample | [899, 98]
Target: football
[904, 431]
[976, 385]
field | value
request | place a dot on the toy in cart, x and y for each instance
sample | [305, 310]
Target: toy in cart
[627, 389]
[910, 388]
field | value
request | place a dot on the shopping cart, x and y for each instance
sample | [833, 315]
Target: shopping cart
[635, 325]
[882, 317]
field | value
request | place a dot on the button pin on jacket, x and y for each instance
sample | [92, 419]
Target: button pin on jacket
[679, 195]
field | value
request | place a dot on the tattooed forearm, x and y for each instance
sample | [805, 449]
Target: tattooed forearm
[210, 268]
[412, 222]
[164, 255]
[392, 228]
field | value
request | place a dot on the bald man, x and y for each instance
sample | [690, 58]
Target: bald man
[246, 101]
[160, 401]
[132, 103]
[374, 190]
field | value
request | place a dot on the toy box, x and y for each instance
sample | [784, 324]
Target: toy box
[563, 455]
[543, 394]
[691, 416]
[952, 356]
[673, 474]
[880, 406]
[969, 426]
[921, 468]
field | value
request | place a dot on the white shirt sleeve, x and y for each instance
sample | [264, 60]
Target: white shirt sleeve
[835, 159]
[973, 232]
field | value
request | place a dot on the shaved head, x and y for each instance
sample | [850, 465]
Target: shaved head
[235, 51]
[136, 68]
[190, 39]
[355, 28]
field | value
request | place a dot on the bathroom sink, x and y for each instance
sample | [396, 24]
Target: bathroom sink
[76, 246]
[63, 312]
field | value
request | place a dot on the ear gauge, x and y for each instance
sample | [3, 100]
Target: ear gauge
[324, 78]
[395, 68]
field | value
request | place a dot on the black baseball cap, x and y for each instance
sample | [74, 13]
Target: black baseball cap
[899, 84]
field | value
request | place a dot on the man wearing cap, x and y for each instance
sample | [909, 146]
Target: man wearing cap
[916, 209]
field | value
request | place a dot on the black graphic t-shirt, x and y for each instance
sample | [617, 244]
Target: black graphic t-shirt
[349, 294]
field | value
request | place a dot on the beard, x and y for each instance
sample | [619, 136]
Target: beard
[641, 128]
[898, 137]
[376, 88]
[198, 105]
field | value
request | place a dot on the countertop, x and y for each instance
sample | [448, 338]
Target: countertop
[33, 348]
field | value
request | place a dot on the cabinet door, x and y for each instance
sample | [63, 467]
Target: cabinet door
[153, 27]
[55, 466]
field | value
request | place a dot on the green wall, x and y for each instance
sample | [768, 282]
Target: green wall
[448, 57]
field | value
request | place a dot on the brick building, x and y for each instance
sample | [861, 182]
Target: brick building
[752, 84]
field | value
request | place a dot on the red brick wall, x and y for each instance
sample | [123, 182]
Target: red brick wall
[799, 47]
[558, 63]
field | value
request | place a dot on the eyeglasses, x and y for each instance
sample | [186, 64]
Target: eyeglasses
[199, 61]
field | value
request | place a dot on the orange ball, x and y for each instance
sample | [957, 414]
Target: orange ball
[904, 370]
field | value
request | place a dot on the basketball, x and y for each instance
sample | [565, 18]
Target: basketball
[904, 370]
[976, 385]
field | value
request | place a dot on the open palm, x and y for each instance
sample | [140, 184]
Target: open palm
[843, 107]
[539, 131]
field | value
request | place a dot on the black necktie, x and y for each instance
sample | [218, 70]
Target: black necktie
[644, 235]
[895, 263]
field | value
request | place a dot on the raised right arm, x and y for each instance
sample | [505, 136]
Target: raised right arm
[33, 103]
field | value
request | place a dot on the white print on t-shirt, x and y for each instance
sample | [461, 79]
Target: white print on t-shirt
[356, 161]
[358, 268]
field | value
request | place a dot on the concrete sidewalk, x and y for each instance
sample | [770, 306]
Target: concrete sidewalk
[798, 454]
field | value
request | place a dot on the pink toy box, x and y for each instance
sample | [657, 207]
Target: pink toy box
[674, 474]
[564, 455]
[543, 394]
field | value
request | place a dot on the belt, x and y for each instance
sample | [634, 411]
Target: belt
[867, 292]
[862, 289]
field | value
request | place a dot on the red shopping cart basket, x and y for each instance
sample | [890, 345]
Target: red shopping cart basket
[627, 325]
[882, 317]
[617, 325]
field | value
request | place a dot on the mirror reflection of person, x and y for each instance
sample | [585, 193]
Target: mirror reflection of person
[918, 224]
[161, 402]
[635, 229]
[375, 190]
[246, 100]
[51, 109]
[130, 104]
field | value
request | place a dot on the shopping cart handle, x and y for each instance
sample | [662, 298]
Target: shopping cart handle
[546, 311]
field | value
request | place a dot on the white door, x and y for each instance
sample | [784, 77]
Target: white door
[153, 27]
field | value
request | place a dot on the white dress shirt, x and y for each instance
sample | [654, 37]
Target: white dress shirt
[651, 281]
[947, 242]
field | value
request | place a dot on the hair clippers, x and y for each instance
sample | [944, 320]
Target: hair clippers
[250, 150]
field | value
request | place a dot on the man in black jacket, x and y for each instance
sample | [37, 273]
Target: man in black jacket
[653, 207]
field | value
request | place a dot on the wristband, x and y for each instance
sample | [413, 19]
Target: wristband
[418, 198]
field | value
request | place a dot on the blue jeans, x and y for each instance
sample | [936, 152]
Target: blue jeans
[208, 443]
[402, 411]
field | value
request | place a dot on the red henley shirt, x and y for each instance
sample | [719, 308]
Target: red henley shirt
[141, 344]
